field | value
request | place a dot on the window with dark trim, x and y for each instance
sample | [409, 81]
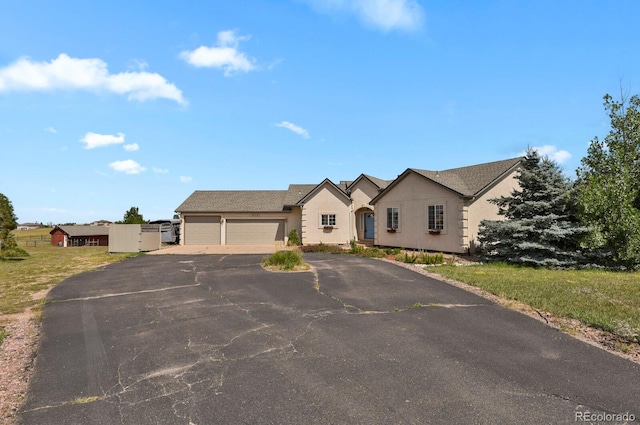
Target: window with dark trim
[392, 218]
[435, 217]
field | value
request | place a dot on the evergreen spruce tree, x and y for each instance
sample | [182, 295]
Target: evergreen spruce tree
[8, 222]
[540, 229]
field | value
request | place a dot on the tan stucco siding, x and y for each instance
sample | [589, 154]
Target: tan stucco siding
[327, 200]
[412, 195]
[361, 194]
[294, 221]
[482, 209]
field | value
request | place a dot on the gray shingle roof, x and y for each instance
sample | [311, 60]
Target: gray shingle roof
[379, 182]
[84, 230]
[233, 201]
[244, 200]
[470, 181]
[296, 192]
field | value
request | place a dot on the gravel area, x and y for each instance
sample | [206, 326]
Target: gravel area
[17, 354]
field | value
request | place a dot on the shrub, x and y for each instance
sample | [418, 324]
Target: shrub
[13, 252]
[372, 253]
[426, 258]
[407, 258]
[294, 238]
[283, 260]
[330, 249]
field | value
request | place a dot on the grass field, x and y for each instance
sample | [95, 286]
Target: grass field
[46, 266]
[609, 301]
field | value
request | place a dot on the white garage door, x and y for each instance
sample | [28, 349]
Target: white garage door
[202, 230]
[254, 232]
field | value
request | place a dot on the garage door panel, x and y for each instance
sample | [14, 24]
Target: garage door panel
[202, 230]
[254, 232]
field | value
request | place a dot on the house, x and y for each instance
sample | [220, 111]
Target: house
[327, 212]
[430, 210]
[442, 210]
[28, 226]
[101, 223]
[80, 236]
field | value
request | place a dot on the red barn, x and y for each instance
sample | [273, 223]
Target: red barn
[80, 236]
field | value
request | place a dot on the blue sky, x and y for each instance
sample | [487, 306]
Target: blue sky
[108, 105]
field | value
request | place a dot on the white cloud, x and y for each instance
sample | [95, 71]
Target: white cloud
[69, 73]
[552, 152]
[95, 140]
[185, 179]
[132, 147]
[290, 126]
[128, 166]
[159, 170]
[51, 130]
[224, 55]
[387, 15]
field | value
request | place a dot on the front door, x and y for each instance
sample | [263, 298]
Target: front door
[368, 226]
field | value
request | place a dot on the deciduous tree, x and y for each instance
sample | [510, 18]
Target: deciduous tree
[609, 185]
[133, 217]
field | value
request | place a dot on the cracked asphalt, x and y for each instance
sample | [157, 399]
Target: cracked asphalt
[216, 339]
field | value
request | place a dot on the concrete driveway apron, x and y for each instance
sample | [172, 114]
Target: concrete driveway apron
[215, 339]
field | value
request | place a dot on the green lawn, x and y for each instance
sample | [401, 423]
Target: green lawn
[601, 299]
[46, 266]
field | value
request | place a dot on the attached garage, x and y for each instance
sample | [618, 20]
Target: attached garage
[254, 232]
[202, 230]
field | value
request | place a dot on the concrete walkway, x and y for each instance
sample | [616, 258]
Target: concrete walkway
[219, 249]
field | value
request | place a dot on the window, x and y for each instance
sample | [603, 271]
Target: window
[328, 220]
[435, 217]
[392, 218]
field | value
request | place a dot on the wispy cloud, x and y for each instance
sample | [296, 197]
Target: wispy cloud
[51, 130]
[95, 140]
[552, 152]
[132, 147]
[292, 127]
[159, 170]
[67, 73]
[128, 166]
[185, 179]
[386, 15]
[224, 55]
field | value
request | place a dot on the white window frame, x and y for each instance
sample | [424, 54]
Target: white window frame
[390, 218]
[328, 221]
[439, 223]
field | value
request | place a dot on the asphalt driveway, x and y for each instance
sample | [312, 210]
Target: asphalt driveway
[216, 339]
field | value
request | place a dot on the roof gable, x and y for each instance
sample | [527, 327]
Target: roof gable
[467, 182]
[318, 187]
[378, 183]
